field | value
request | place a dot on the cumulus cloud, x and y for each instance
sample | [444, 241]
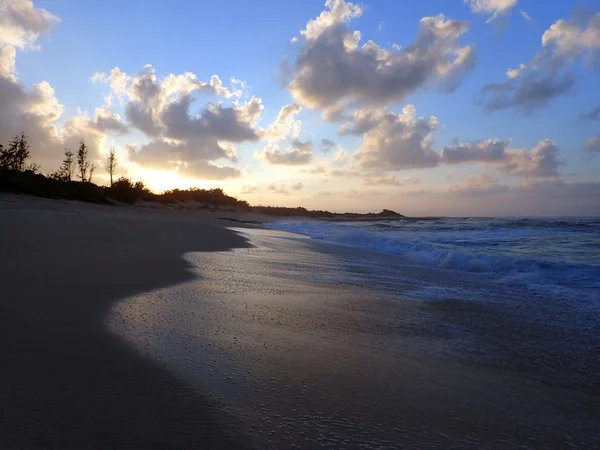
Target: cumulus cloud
[541, 162]
[107, 121]
[298, 153]
[399, 141]
[593, 144]
[36, 110]
[22, 23]
[488, 151]
[297, 186]
[547, 76]
[183, 158]
[333, 71]
[497, 8]
[186, 137]
[285, 124]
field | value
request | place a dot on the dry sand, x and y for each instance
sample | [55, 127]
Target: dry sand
[65, 382]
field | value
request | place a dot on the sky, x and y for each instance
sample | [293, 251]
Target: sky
[429, 107]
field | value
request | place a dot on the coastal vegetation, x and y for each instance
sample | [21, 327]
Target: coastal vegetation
[73, 181]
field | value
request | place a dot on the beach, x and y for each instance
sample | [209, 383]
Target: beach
[129, 327]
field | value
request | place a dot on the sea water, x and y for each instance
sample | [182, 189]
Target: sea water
[559, 257]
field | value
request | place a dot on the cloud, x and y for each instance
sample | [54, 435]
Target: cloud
[22, 23]
[594, 114]
[317, 169]
[541, 162]
[186, 136]
[248, 189]
[215, 122]
[480, 184]
[107, 121]
[208, 171]
[299, 153]
[297, 186]
[281, 189]
[36, 110]
[391, 180]
[489, 151]
[332, 70]
[183, 158]
[496, 8]
[593, 144]
[327, 145]
[337, 12]
[402, 141]
[285, 123]
[526, 16]
[547, 76]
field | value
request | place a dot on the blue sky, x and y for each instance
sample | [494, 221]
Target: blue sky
[66, 42]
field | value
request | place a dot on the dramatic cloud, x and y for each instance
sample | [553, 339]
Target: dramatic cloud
[496, 8]
[184, 141]
[593, 144]
[547, 76]
[332, 71]
[399, 142]
[299, 153]
[36, 110]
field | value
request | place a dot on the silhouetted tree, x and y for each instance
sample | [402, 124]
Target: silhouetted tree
[65, 171]
[22, 153]
[33, 167]
[68, 165]
[8, 158]
[82, 161]
[111, 163]
[92, 167]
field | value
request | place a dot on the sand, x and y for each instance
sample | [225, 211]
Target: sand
[65, 382]
[133, 327]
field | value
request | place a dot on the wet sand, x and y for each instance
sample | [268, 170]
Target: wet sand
[65, 381]
[311, 345]
[111, 338]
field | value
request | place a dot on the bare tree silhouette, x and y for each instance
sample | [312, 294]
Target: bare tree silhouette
[82, 161]
[111, 163]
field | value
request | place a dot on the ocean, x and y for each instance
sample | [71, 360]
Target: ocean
[558, 257]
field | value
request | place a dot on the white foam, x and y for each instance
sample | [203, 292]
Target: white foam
[568, 281]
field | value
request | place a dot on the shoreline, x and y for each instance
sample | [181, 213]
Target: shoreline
[68, 383]
[310, 343]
